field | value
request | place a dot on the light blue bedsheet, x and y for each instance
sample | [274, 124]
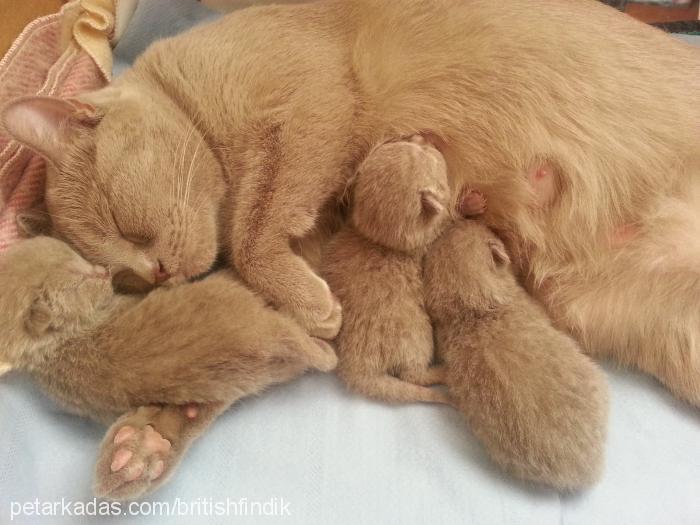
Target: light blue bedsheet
[312, 454]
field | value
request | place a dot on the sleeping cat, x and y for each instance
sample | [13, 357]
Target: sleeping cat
[102, 355]
[585, 143]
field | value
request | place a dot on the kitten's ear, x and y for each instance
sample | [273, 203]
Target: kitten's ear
[430, 203]
[499, 254]
[45, 124]
[38, 319]
[5, 367]
[33, 222]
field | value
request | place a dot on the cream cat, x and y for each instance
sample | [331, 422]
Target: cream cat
[400, 200]
[530, 396]
[100, 355]
[583, 136]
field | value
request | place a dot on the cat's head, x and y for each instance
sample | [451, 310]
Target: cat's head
[131, 183]
[401, 195]
[467, 268]
[49, 292]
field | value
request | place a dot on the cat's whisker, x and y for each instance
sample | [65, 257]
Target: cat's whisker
[181, 165]
[179, 172]
[199, 202]
[190, 172]
[177, 193]
[175, 169]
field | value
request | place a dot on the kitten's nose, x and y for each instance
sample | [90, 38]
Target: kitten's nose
[160, 274]
[418, 139]
[101, 272]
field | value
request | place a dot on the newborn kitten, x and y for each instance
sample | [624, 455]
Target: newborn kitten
[530, 396]
[575, 135]
[211, 342]
[399, 205]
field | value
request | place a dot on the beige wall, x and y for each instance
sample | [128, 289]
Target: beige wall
[230, 5]
[16, 14]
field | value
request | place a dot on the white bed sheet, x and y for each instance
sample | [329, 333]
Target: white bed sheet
[315, 454]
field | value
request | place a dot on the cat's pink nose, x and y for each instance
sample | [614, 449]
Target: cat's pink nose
[160, 274]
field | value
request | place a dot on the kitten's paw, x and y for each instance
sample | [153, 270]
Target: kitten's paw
[132, 460]
[326, 360]
[472, 203]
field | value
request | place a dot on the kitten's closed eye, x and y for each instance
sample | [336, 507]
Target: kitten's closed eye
[39, 318]
[430, 204]
[499, 254]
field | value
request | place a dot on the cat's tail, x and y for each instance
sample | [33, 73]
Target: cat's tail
[392, 389]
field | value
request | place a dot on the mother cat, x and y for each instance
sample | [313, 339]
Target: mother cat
[580, 125]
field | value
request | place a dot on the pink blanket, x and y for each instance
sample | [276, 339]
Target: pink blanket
[36, 64]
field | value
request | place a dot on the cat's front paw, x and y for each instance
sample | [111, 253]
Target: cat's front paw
[329, 327]
[320, 314]
[133, 458]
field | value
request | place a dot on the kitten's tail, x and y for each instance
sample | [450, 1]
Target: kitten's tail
[393, 390]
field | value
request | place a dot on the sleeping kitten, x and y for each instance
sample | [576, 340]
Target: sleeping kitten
[530, 396]
[211, 342]
[373, 265]
[579, 138]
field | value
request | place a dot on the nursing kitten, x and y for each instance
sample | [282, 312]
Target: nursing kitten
[530, 396]
[400, 202]
[579, 138]
[100, 355]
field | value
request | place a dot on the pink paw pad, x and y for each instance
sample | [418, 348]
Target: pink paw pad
[140, 454]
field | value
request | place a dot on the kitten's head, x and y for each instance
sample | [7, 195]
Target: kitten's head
[467, 268]
[401, 195]
[131, 183]
[49, 292]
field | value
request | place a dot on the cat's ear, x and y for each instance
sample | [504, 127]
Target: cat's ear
[38, 320]
[499, 254]
[46, 124]
[5, 367]
[430, 203]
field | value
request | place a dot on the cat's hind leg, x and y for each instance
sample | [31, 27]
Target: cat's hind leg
[650, 320]
[143, 447]
[644, 310]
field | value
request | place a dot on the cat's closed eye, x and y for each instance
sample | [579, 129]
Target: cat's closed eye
[138, 239]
